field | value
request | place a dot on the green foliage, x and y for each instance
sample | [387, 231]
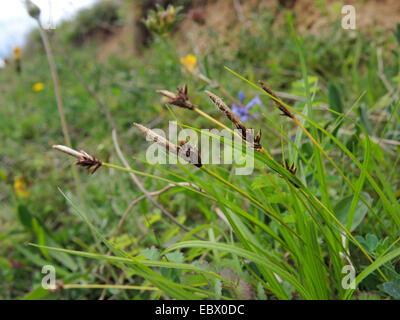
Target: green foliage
[392, 289]
[161, 21]
[101, 18]
[342, 210]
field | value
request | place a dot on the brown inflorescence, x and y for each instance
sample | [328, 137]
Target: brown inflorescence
[180, 99]
[184, 150]
[285, 111]
[83, 159]
[291, 169]
[247, 134]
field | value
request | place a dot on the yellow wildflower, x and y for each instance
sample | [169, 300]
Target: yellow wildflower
[38, 86]
[17, 53]
[170, 14]
[20, 187]
[190, 62]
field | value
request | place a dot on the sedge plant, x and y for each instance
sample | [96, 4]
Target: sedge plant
[296, 244]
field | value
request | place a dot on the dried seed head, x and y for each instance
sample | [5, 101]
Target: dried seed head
[89, 162]
[83, 159]
[180, 99]
[225, 109]
[285, 111]
[184, 150]
[291, 169]
[257, 139]
[58, 286]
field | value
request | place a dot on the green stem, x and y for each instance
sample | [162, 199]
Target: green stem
[114, 166]
[107, 286]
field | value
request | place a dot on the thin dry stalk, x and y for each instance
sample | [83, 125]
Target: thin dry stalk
[142, 189]
[57, 90]
[34, 12]
[100, 103]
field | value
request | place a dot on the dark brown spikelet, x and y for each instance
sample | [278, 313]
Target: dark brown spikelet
[291, 169]
[257, 143]
[285, 111]
[88, 161]
[180, 99]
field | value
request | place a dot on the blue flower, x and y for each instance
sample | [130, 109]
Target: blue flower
[244, 113]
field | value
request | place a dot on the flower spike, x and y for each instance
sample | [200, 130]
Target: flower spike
[247, 134]
[83, 159]
[285, 111]
[184, 150]
[180, 99]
